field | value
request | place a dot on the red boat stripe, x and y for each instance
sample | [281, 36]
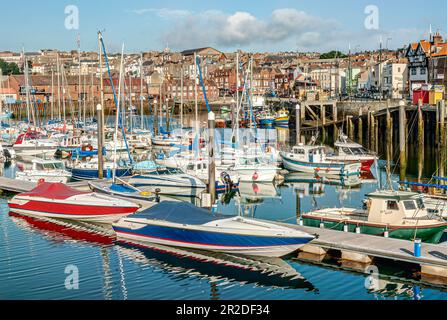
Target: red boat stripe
[72, 209]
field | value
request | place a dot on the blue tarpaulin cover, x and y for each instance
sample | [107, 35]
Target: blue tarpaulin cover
[179, 212]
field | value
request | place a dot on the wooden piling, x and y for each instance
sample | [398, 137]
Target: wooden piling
[212, 160]
[298, 123]
[442, 140]
[402, 140]
[155, 122]
[389, 133]
[420, 140]
[360, 127]
[373, 132]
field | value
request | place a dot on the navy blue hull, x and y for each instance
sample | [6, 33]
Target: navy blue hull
[92, 174]
[207, 238]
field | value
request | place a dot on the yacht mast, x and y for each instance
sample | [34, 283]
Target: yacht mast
[141, 92]
[115, 134]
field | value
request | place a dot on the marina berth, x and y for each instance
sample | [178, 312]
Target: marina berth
[346, 150]
[56, 200]
[399, 214]
[186, 226]
[313, 159]
[46, 170]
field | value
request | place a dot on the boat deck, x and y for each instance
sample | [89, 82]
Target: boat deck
[434, 255]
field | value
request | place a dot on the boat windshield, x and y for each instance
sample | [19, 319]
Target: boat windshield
[410, 205]
[169, 171]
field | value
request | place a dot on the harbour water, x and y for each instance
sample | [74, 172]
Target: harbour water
[36, 257]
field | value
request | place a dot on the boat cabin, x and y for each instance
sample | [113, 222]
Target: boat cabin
[350, 149]
[47, 165]
[308, 153]
[392, 207]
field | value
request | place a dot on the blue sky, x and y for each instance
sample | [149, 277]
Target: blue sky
[252, 25]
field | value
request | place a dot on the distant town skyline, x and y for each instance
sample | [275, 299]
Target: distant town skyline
[284, 25]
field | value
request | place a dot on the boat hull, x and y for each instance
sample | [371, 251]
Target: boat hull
[211, 241]
[59, 210]
[325, 168]
[428, 234]
[92, 174]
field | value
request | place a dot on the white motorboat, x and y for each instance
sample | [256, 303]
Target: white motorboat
[346, 150]
[45, 170]
[255, 170]
[181, 224]
[33, 143]
[56, 200]
[313, 159]
[169, 181]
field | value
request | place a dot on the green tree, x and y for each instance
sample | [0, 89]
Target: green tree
[333, 54]
[9, 68]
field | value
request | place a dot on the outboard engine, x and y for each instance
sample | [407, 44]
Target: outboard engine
[226, 179]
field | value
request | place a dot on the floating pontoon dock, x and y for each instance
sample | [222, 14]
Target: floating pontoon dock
[364, 248]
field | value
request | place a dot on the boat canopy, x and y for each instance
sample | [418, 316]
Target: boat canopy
[178, 212]
[57, 191]
[393, 195]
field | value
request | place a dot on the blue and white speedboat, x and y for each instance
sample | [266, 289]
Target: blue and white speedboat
[181, 224]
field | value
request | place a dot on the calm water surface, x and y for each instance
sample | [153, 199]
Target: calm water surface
[34, 255]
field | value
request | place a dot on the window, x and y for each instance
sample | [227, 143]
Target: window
[392, 205]
[410, 205]
[423, 71]
[413, 72]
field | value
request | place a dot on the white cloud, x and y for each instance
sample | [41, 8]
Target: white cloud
[287, 29]
[164, 12]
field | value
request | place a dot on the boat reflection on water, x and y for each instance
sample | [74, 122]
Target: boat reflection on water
[259, 191]
[218, 267]
[308, 184]
[176, 262]
[58, 230]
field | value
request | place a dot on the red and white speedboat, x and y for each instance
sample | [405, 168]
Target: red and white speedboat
[346, 150]
[56, 200]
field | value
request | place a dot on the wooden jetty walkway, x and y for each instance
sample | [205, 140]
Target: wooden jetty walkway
[364, 248]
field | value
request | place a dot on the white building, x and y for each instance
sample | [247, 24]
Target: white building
[395, 77]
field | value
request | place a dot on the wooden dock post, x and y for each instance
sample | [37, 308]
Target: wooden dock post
[211, 155]
[155, 122]
[389, 134]
[323, 122]
[442, 140]
[350, 128]
[402, 140]
[376, 135]
[360, 127]
[335, 117]
[368, 135]
[373, 132]
[420, 140]
[298, 123]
